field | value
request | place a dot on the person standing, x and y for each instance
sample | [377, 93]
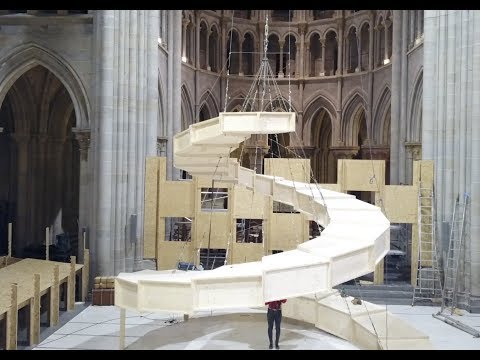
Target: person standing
[274, 315]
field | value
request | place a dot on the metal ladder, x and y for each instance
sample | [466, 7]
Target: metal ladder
[428, 286]
[456, 252]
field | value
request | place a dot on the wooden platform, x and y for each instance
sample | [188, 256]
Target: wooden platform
[24, 282]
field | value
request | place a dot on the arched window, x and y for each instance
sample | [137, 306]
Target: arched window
[247, 53]
[233, 45]
[273, 53]
[364, 46]
[203, 45]
[213, 49]
[331, 53]
[289, 54]
[352, 50]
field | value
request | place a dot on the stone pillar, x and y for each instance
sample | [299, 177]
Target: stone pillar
[359, 52]
[387, 23]
[240, 57]
[340, 46]
[83, 139]
[370, 44]
[395, 121]
[185, 23]
[22, 232]
[418, 35]
[302, 28]
[197, 46]
[308, 59]
[411, 35]
[281, 43]
[207, 50]
[322, 44]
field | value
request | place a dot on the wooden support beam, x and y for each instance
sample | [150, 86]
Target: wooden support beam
[71, 284]
[122, 329]
[35, 311]
[85, 273]
[12, 320]
[9, 242]
[55, 297]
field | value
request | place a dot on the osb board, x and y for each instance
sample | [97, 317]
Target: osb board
[358, 175]
[247, 204]
[423, 171]
[170, 252]
[400, 203]
[287, 231]
[245, 252]
[151, 201]
[290, 169]
[213, 227]
[176, 199]
[22, 272]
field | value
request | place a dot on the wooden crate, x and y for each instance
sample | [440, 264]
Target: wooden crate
[103, 297]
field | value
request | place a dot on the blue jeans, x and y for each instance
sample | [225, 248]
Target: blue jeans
[274, 316]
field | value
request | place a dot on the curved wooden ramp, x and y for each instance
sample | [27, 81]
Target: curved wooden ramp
[355, 238]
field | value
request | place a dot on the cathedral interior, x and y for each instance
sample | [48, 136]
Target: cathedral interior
[87, 97]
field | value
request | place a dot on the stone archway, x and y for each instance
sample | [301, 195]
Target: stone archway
[39, 149]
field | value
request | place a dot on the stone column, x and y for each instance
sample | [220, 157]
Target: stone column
[302, 28]
[185, 23]
[387, 23]
[370, 45]
[418, 35]
[340, 46]
[359, 52]
[322, 44]
[21, 231]
[411, 35]
[281, 43]
[308, 59]
[197, 46]
[207, 51]
[83, 139]
[240, 57]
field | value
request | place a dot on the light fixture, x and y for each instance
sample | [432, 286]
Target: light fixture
[1, 130]
[386, 61]
[160, 40]
[184, 59]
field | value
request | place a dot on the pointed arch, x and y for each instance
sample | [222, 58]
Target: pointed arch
[236, 100]
[187, 108]
[27, 56]
[415, 120]
[350, 123]
[312, 110]
[207, 101]
[382, 110]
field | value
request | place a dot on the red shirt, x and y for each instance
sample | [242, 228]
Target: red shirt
[276, 305]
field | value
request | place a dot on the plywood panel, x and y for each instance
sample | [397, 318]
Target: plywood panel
[214, 227]
[400, 203]
[290, 169]
[287, 231]
[247, 204]
[358, 175]
[170, 252]
[248, 252]
[151, 201]
[176, 199]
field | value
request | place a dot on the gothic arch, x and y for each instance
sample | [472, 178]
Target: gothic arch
[415, 121]
[209, 102]
[319, 102]
[237, 100]
[26, 57]
[187, 108]
[350, 118]
[382, 109]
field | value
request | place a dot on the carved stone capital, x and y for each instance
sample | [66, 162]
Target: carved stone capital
[304, 152]
[345, 152]
[375, 152]
[414, 149]
[302, 28]
[83, 138]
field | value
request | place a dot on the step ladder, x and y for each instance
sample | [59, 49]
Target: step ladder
[455, 256]
[428, 286]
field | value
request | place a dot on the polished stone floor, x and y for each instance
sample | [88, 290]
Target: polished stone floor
[97, 327]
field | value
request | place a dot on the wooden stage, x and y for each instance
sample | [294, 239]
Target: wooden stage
[31, 287]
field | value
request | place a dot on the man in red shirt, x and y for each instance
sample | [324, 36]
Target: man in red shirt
[274, 314]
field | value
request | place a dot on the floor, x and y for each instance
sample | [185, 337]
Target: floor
[97, 327]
